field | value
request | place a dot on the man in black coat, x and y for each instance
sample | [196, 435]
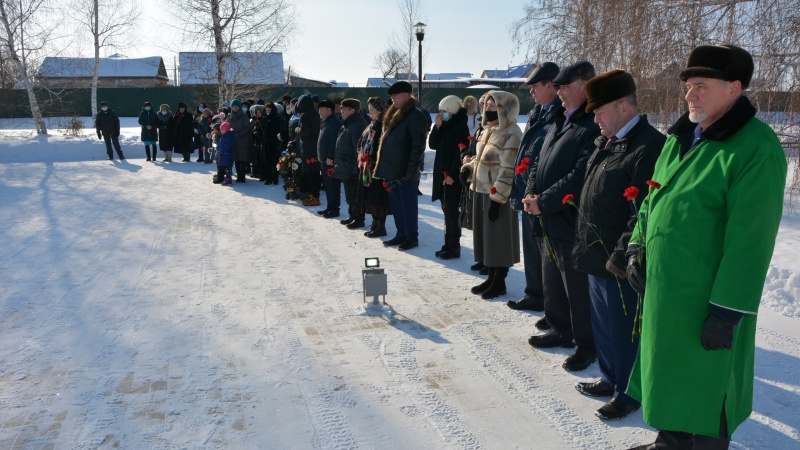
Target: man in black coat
[107, 125]
[544, 116]
[405, 131]
[625, 156]
[326, 146]
[559, 171]
[345, 167]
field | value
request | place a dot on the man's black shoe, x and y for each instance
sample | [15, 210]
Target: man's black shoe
[331, 214]
[393, 241]
[322, 212]
[615, 410]
[356, 224]
[579, 360]
[450, 254]
[484, 271]
[441, 250]
[527, 303]
[408, 245]
[542, 324]
[595, 389]
[347, 221]
[477, 266]
[550, 340]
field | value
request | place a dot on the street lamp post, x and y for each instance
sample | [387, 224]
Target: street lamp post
[419, 29]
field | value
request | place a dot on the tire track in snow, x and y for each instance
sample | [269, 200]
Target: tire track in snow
[522, 386]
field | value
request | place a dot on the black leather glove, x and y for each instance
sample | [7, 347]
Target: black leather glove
[494, 211]
[635, 271]
[717, 333]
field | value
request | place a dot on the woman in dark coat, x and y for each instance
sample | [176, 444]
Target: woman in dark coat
[371, 193]
[149, 123]
[271, 125]
[448, 137]
[183, 133]
[242, 128]
[165, 131]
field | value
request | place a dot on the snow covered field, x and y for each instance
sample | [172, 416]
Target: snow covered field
[142, 306]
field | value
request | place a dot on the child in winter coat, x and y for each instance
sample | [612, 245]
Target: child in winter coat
[225, 152]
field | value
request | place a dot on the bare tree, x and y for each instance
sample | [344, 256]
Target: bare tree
[228, 26]
[109, 22]
[22, 37]
[389, 62]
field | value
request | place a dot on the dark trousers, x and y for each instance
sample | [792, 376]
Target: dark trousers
[613, 331]
[405, 209]
[333, 189]
[452, 229]
[311, 176]
[115, 140]
[532, 259]
[353, 207]
[147, 150]
[566, 295]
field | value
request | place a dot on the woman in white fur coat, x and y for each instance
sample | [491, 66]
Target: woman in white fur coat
[491, 173]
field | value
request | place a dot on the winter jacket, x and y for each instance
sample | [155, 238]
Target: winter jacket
[560, 170]
[183, 134]
[243, 130]
[492, 169]
[225, 145]
[446, 140]
[709, 240]
[473, 122]
[542, 119]
[107, 122]
[326, 144]
[368, 150]
[149, 119]
[309, 128]
[165, 131]
[345, 158]
[269, 129]
[603, 208]
[402, 143]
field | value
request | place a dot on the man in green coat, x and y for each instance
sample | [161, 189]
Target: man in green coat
[703, 243]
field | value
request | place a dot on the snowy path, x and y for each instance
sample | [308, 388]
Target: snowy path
[141, 306]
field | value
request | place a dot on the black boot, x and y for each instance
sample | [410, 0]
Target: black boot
[498, 286]
[478, 290]
[379, 230]
[147, 151]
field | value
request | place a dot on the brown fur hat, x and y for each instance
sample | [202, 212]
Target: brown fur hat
[608, 87]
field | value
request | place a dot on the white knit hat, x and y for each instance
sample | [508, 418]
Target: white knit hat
[451, 104]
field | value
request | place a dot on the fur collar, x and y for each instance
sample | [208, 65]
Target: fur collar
[727, 125]
[394, 116]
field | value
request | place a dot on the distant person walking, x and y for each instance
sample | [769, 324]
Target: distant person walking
[107, 125]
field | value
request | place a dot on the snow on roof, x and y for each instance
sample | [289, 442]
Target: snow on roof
[148, 67]
[380, 82]
[445, 76]
[516, 71]
[491, 73]
[240, 68]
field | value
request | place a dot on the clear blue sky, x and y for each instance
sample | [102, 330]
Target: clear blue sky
[340, 39]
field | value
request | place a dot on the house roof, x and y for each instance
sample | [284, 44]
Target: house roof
[380, 82]
[406, 76]
[445, 76]
[116, 67]
[511, 72]
[240, 68]
[493, 73]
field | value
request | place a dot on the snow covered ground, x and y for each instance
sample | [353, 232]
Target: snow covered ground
[142, 306]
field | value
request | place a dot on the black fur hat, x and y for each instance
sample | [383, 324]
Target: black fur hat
[608, 87]
[722, 62]
[400, 87]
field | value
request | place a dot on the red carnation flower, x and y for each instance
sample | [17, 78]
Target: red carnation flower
[654, 184]
[494, 190]
[470, 137]
[520, 169]
[462, 146]
[631, 193]
[568, 199]
[446, 174]
[386, 186]
[330, 171]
